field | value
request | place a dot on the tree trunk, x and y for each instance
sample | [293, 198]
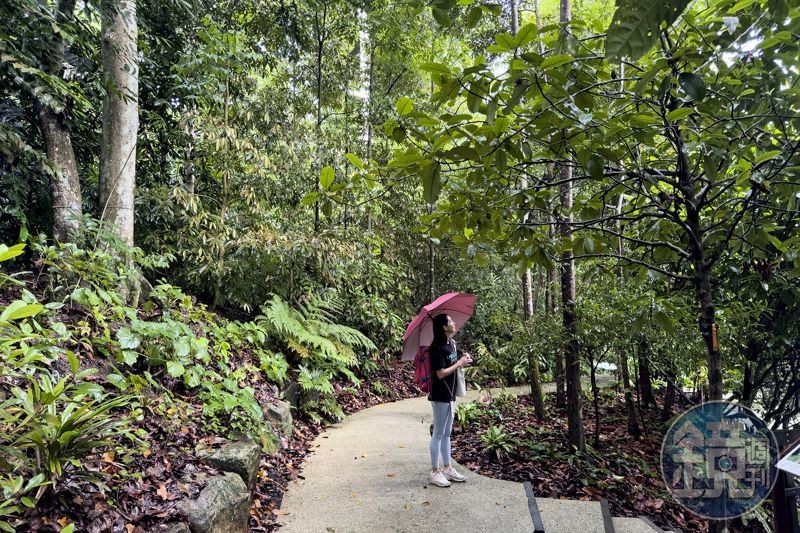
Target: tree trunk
[188, 168]
[630, 408]
[571, 356]
[669, 397]
[431, 264]
[120, 116]
[321, 36]
[645, 377]
[369, 118]
[527, 289]
[572, 361]
[552, 307]
[688, 185]
[65, 187]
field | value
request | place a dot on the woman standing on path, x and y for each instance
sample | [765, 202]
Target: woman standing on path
[444, 364]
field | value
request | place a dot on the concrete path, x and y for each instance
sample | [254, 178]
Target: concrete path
[369, 473]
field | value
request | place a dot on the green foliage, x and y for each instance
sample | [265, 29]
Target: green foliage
[50, 423]
[498, 441]
[229, 408]
[467, 413]
[312, 333]
[54, 424]
[636, 27]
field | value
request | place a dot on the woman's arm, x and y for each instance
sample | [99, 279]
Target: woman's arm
[443, 373]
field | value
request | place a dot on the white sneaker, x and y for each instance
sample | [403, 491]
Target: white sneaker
[451, 474]
[438, 479]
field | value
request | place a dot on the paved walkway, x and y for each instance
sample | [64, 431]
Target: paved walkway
[369, 473]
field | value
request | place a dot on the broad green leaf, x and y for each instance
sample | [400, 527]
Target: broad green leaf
[175, 369]
[474, 16]
[310, 198]
[693, 85]
[636, 26]
[595, 167]
[7, 253]
[555, 61]
[436, 68]
[74, 364]
[181, 347]
[355, 160]
[778, 8]
[431, 183]
[404, 106]
[128, 340]
[744, 4]
[767, 155]
[441, 16]
[18, 310]
[326, 177]
[679, 114]
[525, 35]
[664, 322]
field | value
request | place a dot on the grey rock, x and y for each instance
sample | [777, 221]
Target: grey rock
[280, 413]
[292, 394]
[180, 527]
[240, 457]
[222, 507]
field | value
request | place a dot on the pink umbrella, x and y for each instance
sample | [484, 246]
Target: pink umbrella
[459, 305]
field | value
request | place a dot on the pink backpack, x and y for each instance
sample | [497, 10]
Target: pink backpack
[422, 369]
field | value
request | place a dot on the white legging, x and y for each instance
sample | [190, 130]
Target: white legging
[442, 427]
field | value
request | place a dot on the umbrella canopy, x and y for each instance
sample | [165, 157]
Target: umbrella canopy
[459, 305]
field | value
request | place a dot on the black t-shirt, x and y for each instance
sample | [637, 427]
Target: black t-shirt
[443, 356]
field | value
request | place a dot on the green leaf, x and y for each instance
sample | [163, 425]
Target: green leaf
[117, 380]
[693, 85]
[525, 35]
[404, 106]
[18, 310]
[327, 208]
[744, 4]
[74, 364]
[326, 177]
[436, 68]
[474, 16]
[128, 340]
[679, 114]
[767, 156]
[130, 357]
[355, 161]
[7, 253]
[636, 26]
[664, 322]
[431, 183]
[779, 9]
[555, 61]
[181, 347]
[595, 167]
[175, 369]
[441, 16]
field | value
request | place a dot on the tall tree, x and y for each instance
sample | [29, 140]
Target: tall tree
[120, 115]
[52, 111]
[527, 284]
[571, 354]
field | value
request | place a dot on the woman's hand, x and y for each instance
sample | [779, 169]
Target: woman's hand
[465, 360]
